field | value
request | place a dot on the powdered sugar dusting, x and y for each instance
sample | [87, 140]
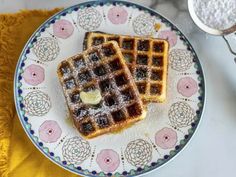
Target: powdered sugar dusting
[218, 14]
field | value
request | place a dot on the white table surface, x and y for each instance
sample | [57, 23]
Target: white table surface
[212, 151]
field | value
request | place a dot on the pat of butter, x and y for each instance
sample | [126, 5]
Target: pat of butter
[92, 97]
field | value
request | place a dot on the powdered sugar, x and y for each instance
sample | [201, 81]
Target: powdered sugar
[218, 14]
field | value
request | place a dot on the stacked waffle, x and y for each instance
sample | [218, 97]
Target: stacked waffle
[108, 85]
[146, 59]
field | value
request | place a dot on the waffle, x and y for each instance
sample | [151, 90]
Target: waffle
[146, 59]
[102, 68]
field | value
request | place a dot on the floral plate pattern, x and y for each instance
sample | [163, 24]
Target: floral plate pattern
[141, 148]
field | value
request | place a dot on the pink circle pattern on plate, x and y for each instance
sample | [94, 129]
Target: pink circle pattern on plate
[108, 160]
[49, 131]
[63, 29]
[117, 15]
[166, 138]
[168, 35]
[187, 86]
[33, 74]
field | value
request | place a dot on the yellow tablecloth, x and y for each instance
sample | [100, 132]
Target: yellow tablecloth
[18, 156]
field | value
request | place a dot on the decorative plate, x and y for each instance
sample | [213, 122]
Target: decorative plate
[141, 148]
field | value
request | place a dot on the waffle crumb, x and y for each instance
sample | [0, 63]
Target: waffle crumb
[157, 26]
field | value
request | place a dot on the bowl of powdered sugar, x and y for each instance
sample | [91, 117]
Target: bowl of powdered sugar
[214, 16]
[217, 14]
[217, 17]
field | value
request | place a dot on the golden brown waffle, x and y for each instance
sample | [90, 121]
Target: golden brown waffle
[147, 59]
[101, 67]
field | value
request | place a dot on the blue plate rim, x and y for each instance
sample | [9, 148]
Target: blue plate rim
[139, 6]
